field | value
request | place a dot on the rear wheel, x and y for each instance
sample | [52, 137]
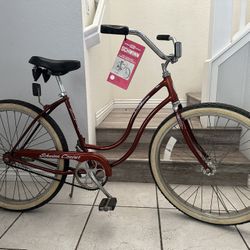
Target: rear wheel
[224, 132]
[21, 189]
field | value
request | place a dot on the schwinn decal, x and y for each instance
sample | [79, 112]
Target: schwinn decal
[55, 156]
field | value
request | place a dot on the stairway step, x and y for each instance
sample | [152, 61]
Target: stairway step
[179, 155]
[119, 118]
[139, 171]
[115, 124]
[105, 136]
[193, 98]
[136, 168]
[111, 135]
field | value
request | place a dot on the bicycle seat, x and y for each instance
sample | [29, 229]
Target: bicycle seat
[57, 67]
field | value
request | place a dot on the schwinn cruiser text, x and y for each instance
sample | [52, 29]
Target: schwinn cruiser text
[64, 156]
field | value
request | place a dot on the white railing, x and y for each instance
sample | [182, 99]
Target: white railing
[222, 44]
[91, 32]
[243, 14]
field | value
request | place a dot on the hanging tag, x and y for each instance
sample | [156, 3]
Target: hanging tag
[126, 63]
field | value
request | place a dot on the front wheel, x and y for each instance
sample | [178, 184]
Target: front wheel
[223, 131]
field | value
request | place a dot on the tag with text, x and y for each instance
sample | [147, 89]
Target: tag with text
[126, 63]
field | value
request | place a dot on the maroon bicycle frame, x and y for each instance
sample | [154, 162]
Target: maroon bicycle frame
[42, 155]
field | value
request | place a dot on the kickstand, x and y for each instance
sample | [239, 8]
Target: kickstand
[72, 187]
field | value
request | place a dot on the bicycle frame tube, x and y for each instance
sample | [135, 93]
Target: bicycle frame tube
[196, 149]
[172, 97]
[47, 110]
[83, 156]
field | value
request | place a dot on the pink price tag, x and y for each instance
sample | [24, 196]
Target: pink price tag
[126, 63]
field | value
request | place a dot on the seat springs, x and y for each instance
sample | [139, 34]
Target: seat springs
[38, 71]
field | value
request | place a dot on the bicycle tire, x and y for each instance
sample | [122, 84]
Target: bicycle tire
[126, 72]
[223, 131]
[21, 190]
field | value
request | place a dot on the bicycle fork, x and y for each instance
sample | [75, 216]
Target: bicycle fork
[199, 153]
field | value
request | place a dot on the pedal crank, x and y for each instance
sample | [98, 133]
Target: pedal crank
[92, 177]
[106, 204]
[82, 174]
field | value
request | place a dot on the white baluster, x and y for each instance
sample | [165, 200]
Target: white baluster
[243, 14]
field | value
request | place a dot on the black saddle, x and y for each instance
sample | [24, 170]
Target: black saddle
[56, 67]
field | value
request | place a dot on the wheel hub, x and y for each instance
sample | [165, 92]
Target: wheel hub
[211, 170]
[6, 157]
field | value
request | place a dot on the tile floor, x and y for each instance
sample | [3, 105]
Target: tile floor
[143, 220]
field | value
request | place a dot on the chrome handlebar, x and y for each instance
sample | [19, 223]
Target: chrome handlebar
[149, 43]
[124, 30]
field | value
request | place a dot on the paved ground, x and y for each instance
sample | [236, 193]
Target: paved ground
[142, 220]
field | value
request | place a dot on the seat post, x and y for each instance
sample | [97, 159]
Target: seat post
[62, 89]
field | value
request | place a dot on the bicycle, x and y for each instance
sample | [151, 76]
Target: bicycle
[211, 183]
[122, 69]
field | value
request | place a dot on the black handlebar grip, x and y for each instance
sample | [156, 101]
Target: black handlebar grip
[163, 37]
[178, 49]
[114, 29]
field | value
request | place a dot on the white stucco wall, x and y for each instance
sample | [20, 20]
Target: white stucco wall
[100, 59]
[187, 20]
[50, 29]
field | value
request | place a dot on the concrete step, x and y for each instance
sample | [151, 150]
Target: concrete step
[113, 127]
[182, 168]
[193, 98]
[136, 167]
[106, 136]
[119, 118]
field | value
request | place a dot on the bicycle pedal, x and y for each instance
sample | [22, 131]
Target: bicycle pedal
[107, 204]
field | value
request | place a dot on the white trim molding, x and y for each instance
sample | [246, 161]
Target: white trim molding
[92, 32]
[133, 103]
[103, 112]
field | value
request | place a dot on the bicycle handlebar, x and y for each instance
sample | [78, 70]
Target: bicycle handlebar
[150, 44]
[114, 29]
[124, 30]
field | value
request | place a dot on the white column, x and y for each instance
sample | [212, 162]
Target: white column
[220, 25]
[221, 15]
[243, 13]
[90, 116]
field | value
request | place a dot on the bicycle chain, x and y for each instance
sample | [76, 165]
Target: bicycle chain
[49, 177]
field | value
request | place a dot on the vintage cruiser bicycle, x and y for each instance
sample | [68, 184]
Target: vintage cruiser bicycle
[199, 155]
